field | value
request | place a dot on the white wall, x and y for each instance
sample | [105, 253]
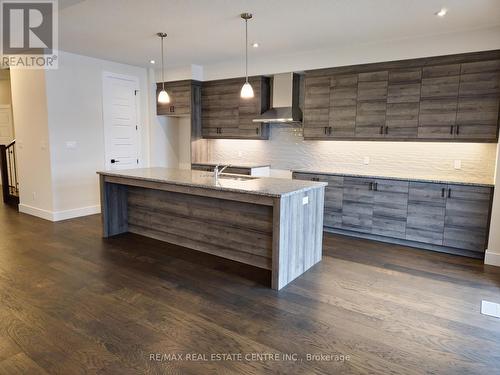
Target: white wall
[164, 133]
[5, 97]
[397, 49]
[74, 98]
[493, 252]
[29, 101]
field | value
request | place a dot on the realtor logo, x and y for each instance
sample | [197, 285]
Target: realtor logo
[29, 33]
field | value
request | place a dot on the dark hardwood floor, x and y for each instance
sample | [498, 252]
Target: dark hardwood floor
[73, 303]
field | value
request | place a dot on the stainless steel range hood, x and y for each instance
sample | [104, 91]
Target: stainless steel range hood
[285, 100]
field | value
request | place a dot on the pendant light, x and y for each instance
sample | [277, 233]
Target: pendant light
[246, 90]
[163, 97]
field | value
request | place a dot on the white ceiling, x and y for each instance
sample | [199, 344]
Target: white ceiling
[204, 32]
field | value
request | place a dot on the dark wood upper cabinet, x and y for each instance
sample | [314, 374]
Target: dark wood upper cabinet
[445, 98]
[343, 102]
[181, 98]
[403, 103]
[371, 104]
[478, 101]
[317, 106]
[224, 114]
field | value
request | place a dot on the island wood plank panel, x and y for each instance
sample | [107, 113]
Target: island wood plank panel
[297, 235]
[113, 208]
[235, 230]
[247, 228]
[73, 302]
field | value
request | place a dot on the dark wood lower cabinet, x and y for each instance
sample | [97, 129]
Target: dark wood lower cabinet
[467, 216]
[426, 212]
[442, 216]
[390, 208]
[357, 206]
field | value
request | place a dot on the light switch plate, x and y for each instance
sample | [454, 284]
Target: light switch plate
[305, 200]
[366, 160]
[457, 164]
[490, 309]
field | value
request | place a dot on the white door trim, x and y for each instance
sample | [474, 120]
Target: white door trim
[135, 80]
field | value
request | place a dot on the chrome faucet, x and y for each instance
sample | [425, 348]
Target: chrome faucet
[217, 172]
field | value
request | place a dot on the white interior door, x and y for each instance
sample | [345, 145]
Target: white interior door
[6, 128]
[121, 128]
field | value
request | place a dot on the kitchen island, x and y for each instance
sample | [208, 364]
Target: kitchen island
[270, 223]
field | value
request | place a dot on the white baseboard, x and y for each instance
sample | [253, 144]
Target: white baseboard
[35, 211]
[59, 215]
[76, 212]
[492, 258]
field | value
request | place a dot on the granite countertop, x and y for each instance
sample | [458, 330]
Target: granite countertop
[236, 165]
[412, 177]
[267, 186]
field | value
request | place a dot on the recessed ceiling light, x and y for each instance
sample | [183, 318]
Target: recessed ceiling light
[442, 12]
[255, 45]
[152, 61]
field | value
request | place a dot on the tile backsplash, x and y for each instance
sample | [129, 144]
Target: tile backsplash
[286, 149]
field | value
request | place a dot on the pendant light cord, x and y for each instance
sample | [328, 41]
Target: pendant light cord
[246, 50]
[162, 65]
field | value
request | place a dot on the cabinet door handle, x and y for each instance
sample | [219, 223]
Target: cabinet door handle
[442, 192]
[451, 129]
[329, 130]
[449, 192]
[370, 186]
[375, 186]
[386, 130]
[457, 130]
[256, 130]
[381, 130]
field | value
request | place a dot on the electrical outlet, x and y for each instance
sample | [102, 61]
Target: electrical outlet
[457, 164]
[305, 200]
[70, 145]
[366, 160]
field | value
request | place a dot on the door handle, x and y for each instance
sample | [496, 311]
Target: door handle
[329, 130]
[375, 186]
[449, 192]
[386, 130]
[457, 130]
[256, 130]
[442, 192]
[370, 186]
[113, 161]
[381, 130]
[451, 129]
